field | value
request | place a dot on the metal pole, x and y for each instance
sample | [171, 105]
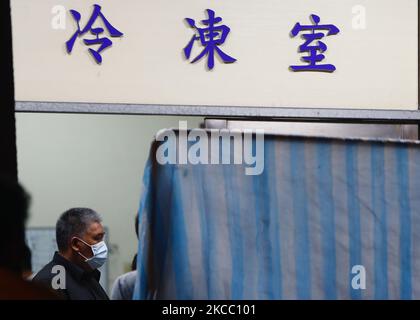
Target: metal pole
[8, 158]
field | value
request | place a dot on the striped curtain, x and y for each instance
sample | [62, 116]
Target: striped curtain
[327, 219]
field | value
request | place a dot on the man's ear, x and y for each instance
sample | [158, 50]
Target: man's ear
[74, 244]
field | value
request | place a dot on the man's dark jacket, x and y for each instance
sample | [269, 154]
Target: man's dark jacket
[79, 284]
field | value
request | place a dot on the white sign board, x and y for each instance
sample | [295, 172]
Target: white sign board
[375, 54]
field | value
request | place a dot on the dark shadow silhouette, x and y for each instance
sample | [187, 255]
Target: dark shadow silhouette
[14, 211]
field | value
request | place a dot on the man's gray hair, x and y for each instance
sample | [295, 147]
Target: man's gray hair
[74, 222]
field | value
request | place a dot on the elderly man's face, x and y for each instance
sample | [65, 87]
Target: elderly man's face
[94, 234]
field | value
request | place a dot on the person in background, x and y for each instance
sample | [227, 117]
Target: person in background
[27, 273]
[134, 263]
[81, 251]
[13, 214]
[123, 288]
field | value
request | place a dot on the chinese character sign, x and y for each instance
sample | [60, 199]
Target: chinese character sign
[103, 42]
[313, 45]
[210, 37]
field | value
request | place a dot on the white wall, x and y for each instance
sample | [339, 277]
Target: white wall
[94, 161]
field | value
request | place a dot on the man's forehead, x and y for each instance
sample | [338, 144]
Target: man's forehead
[95, 228]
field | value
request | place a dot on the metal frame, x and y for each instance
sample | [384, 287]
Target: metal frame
[253, 113]
[8, 160]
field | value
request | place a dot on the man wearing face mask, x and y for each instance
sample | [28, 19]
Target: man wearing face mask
[81, 251]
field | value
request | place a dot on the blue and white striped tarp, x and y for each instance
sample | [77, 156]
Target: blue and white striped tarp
[321, 207]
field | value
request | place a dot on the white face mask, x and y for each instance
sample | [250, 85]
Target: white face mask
[100, 254]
